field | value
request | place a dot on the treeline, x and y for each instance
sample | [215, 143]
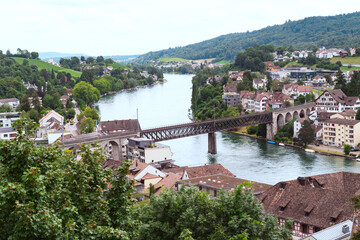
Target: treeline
[351, 88]
[22, 53]
[331, 31]
[75, 63]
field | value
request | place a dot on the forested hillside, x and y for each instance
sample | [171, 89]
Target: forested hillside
[331, 31]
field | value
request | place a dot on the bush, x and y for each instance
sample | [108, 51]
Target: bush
[252, 130]
[347, 149]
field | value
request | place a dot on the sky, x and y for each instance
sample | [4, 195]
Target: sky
[118, 27]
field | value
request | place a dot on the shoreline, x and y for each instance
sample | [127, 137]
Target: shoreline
[318, 151]
[131, 89]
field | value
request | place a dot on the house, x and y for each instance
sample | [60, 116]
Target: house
[279, 99]
[7, 133]
[230, 87]
[339, 131]
[347, 114]
[296, 90]
[51, 127]
[199, 171]
[313, 203]
[336, 101]
[341, 231]
[13, 102]
[122, 126]
[298, 125]
[318, 81]
[169, 181]
[231, 99]
[258, 83]
[7, 119]
[270, 66]
[213, 183]
[261, 101]
[147, 151]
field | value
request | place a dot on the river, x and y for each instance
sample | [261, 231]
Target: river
[251, 159]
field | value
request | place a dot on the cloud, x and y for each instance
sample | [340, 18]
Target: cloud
[106, 27]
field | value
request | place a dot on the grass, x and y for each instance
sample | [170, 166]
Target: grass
[345, 68]
[172, 60]
[45, 65]
[317, 92]
[346, 60]
[117, 65]
[223, 62]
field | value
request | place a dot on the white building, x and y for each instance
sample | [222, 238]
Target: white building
[7, 119]
[146, 151]
[336, 101]
[7, 133]
[13, 102]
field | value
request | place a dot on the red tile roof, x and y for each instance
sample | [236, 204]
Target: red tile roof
[321, 200]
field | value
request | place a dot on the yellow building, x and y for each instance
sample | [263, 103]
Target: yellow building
[339, 131]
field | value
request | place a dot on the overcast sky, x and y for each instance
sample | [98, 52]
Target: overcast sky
[118, 27]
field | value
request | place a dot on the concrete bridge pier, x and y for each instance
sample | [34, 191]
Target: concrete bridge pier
[269, 131]
[212, 143]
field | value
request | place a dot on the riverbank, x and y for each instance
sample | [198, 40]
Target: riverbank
[317, 149]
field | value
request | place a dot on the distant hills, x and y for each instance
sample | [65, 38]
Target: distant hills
[56, 56]
[332, 31]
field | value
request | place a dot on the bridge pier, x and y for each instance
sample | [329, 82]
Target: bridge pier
[269, 131]
[212, 143]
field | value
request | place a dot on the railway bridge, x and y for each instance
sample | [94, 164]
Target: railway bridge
[274, 120]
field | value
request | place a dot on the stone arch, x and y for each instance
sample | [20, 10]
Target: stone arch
[288, 117]
[307, 112]
[302, 113]
[114, 150]
[280, 120]
[296, 115]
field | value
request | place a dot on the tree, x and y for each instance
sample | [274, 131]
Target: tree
[347, 149]
[6, 108]
[45, 193]
[89, 113]
[34, 55]
[231, 215]
[85, 93]
[357, 116]
[70, 114]
[34, 115]
[25, 103]
[36, 102]
[269, 82]
[306, 133]
[357, 51]
[340, 81]
[90, 60]
[100, 59]
[87, 125]
[103, 85]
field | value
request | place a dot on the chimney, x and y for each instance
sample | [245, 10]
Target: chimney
[301, 180]
[282, 185]
[345, 229]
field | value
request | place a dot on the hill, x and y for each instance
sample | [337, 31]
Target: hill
[45, 65]
[331, 31]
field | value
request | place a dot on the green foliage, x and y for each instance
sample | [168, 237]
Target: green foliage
[285, 133]
[261, 130]
[357, 116]
[252, 130]
[6, 108]
[192, 214]
[52, 101]
[103, 85]
[331, 31]
[347, 149]
[87, 125]
[230, 112]
[70, 114]
[253, 58]
[47, 193]
[85, 94]
[89, 113]
[306, 133]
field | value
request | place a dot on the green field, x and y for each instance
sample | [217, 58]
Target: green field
[45, 65]
[346, 60]
[172, 60]
[345, 68]
[223, 62]
[117, 65]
